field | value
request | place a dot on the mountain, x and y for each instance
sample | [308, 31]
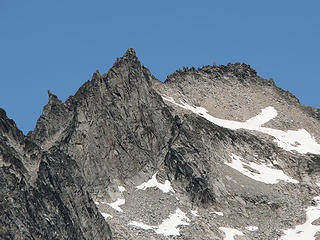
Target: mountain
[211, 153]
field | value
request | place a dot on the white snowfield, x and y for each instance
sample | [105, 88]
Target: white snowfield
[153, 182]
[262, 172]
[169, 226]
[230, 233]
[116, 205]
[307, 230]
[292, 140]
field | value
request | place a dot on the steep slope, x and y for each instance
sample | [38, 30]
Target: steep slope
[205, 152]
[43, 196]
[111, 125]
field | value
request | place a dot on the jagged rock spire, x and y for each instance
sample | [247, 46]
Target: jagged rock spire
[3, 113]
[8, 126]
[52, 98]
[96, 75]
[129, 58]
[130, 53]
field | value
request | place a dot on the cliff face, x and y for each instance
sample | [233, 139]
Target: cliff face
[116, 125]
[43, 195]
[207, 149]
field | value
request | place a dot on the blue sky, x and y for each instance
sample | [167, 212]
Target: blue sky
[57, 45]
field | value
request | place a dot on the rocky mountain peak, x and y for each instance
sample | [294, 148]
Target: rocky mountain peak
[8, 127]
[3, 113]
[130, 54]
[210, 150]
[129, 58]
[52, 98]
[242, 72]
[96, 75]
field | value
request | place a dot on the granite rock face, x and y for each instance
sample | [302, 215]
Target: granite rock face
[111, 125]
[128, 141]
[43, 195]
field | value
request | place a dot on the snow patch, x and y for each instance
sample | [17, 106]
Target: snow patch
[195, 213]
[219, 213]
[265, 116]
[116, 205]
[106, 215]
[142, 225]
[230, 233]
[252, 228]
[306, 230]
[121, 188]
[292, 140]
[261, 173]
[169, 226]
[153, 182]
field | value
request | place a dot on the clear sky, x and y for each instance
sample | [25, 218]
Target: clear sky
[57, 45]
